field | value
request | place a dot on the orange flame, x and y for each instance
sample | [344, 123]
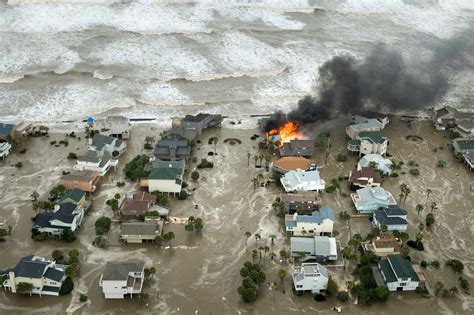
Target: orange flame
[287, 132]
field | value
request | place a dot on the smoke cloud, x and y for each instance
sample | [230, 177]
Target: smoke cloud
[382, 82]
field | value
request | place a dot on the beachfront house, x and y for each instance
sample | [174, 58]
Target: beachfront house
[122, 278]
[291, 163]
[394, 217]
[5, 148]
[103, 145]
[463, 145]
[377, 161]
[310, 277]
[365, 177]
[364, 124]
[319, 248]
[166, 176]
[296, 147]
[367, 200]
[368, 142]
[113, 126]
[448, 117]
[64, 216]
[469, 159]
[14, 130]
[44, 276]
[137, 232]
[320, 222]
[172, 148]
[91, 161]
[398, 273]
[299, 180]
[304, 202]
[75, 196]
[383, 245]
[84, 180]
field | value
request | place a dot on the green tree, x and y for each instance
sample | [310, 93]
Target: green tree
[257, 237]
[67, 286]
[57, 192]
[57, 255]
[272, 239]
[195, 175]
[100, 241]
[34, 196]
[281, 274]
[430, 219]
[455, 264]
[24, 288]
[168, 237]
[161, 198]
[68, 235]
[434, 205]
[438, 287]
[102, 225]
[149, 272]
[136, 168]
[284, 255]
[418, 209]
[332, 287]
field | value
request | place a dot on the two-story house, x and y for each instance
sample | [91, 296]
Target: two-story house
[376, 161]
[319, 248]
[367, 200]
[166, 176]
[365, 177]
[90, 161]
[383, 245]
[305, 202]
[394, 217]
[102, 145]
[84, 180]
[113, 126]
[44, 276]
[368, 142]
[64, 216]
[320, 222]
[299, 180]
[371, 124]
[122, 278]
[398, 273]
[310, 277]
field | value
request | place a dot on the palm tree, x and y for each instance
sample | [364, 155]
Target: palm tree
[214, 140]
[247, 235]
[34, 196]
[335, 233]
[266, 249]
[255, 158]
[272, 238]
[260, 252]
[272, 256]
[434, 205]
[248, 158]
[284, 255]
[257, 237]
[267, 158]
[428, 193]
[260, 158]
[418, 209]
[383, 229]
[254, 255]
[303, 232]
[168, 237]
[281, 274]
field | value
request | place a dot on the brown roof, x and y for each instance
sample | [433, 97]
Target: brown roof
[131, 205]
[366, 172]
[290, 163]
[143, 196]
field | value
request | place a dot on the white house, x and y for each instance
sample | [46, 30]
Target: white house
[44, 275]
[122, 278]
[320, 222]
[64, 216]
[299, 180]
[373, 124]
[367, 200]
[398, 273]
[166, 176]
[91, 161]
[310, 277]
[394, 217]
[382, 164]
[368, 142]
[104, 144]
[114, 126]
[5, 148]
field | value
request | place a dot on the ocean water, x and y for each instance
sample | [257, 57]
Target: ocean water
[66, 60]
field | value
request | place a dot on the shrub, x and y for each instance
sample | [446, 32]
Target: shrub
[19, 165]
[343, 296]
[195, 175]
[330, 189]
[455, 264]
[135, 169]
[414, 172]
[341, 157]
[67, 287]
[183, 195]
[161, 198]
[430, 219]
[100, 241]
[68, 235]
[441, 164]
[82, 298]
[394, 174]
[205, 164]
[320, 298]
[416, 245]
[435, 264]
[102, 225]
[120, 184]
[72, 156]
[424, 264]
[210, 153]
[195, 159]
[464, 284]
[113, 203]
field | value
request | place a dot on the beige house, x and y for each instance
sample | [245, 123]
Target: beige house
[83, 180]
[44, 276]
[137, 232]
[384, 245]
[320, 222]
[166, 176]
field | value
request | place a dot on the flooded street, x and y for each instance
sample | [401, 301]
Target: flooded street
[200, 272]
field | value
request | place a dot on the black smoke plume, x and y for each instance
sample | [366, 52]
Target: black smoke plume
[382, 82]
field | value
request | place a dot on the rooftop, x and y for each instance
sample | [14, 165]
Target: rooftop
[99, 141]
[148, 228]
[144, 196]
[197, 118]
[402, 267]
[317, 217]
[167, 170]
[366, 172]
[294, 178]
[120, 270]
[75, 195]
[370, 123]
[373, 136]
[84, 176]
[464, 144]
[290, 163]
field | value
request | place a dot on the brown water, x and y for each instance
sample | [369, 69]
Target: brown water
[200, 273]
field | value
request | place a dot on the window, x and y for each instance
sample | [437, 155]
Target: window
[403, 284]
[299, 286]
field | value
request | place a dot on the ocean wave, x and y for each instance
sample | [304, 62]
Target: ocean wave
[236, 74]
[10, 79]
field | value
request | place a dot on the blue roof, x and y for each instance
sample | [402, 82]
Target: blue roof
[6, 129]
[317, 216]
[90, 120]
[54, 274]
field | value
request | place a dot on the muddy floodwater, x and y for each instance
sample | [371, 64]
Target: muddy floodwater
[199, 274]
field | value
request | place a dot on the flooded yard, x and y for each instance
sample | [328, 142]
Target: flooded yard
[200, 272]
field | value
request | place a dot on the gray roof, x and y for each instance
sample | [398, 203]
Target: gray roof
[65, 214]
[383, 218]
[294, 178]
[372, 136]
[172, 147]
[54, 274]
[297, 148]
[370, 123]
[85, 176]
[317, 216]
[99, 141]
[401, 267]
[29, 268]
[316, 246]
[197, 118]
[139, 228]
[120, 270]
